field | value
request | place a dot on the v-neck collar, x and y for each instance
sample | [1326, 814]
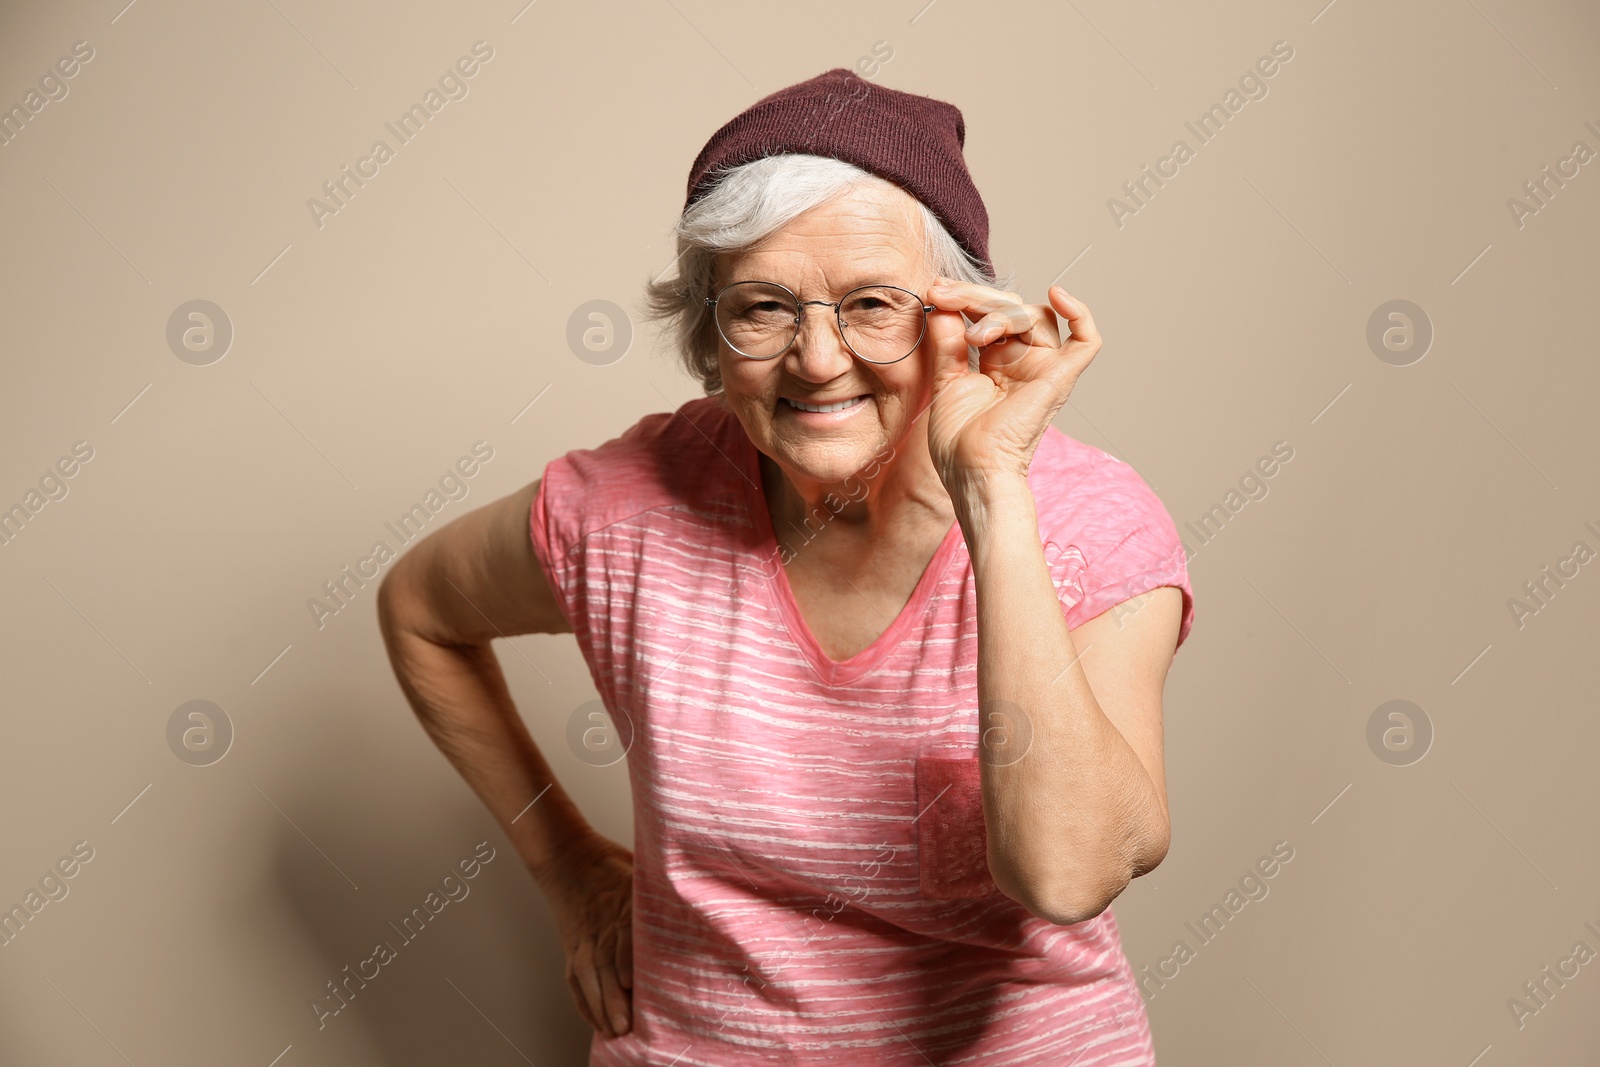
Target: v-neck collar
[829, 670]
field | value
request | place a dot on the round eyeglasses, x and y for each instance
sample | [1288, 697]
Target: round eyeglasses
[879, 323]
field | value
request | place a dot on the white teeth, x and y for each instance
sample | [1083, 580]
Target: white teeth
[840, 406]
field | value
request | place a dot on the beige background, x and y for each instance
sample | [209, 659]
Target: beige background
[427, 314]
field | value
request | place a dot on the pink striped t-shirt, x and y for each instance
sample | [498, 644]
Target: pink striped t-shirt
[810, 884]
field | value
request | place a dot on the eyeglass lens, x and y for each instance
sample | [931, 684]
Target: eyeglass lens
[880, 323]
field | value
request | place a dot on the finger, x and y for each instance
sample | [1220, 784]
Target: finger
[1007, 319]
[968, 297]
[1076, 314]
[580, 1000]
[1083, 343]
[625, 952]
[995, 314]
[1033, 323]
[589, 983]
[1013, 355]
[1057, 367]
[616, 1000]
[947, 334]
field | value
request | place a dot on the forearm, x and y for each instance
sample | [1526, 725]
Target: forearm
[459, 694]
[1072, 820]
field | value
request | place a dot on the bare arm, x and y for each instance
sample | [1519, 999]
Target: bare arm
[1082, 810]
[439, 608]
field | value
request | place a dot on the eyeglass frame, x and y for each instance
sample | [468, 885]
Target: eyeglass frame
[838, 318]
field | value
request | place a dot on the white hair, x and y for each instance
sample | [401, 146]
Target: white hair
[747, 204]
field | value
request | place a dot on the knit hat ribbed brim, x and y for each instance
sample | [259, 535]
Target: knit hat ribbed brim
[913, 141]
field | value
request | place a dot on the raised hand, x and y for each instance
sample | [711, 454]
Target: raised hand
[988, 422]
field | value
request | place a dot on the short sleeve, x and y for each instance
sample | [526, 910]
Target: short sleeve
[1149, 557]
[549, 543]
[581, 535]
[601, 516]
[1107, 535]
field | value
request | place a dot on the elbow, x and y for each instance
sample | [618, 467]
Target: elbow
[401, 611]
[1068, 905]
[397, 593]
[388, 600]
[1072, 896]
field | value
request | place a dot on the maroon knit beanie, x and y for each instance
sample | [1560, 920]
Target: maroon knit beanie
[913, 141]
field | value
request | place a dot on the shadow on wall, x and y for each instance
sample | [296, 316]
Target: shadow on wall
[490, 934]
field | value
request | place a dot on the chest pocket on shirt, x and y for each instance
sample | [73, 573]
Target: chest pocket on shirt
[952, 847]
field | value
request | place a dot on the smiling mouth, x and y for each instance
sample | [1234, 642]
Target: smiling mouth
[840, 405]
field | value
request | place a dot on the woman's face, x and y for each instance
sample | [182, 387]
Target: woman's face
[872, 235]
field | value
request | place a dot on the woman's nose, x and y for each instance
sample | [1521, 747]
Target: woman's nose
[819, 351]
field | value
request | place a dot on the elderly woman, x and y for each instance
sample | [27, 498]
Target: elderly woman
[892, 752]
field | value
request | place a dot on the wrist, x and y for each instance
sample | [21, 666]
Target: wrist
[561, 841]
[983, 499]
